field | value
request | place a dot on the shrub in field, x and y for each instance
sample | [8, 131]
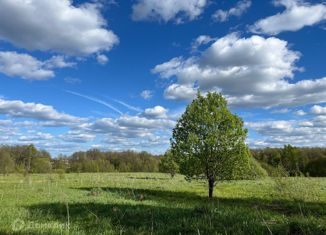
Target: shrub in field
[40, 165]
[317, 167]
[274, 171]
[209, 141]
[255, 170]
[7, 165]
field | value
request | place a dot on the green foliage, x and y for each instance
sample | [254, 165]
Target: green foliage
[7, 165]
[128, 161]
[209, 141]
[271, 159]
[293, 160]
[60, 164]
[274, 171]
[272, 156]
[255, 170]
[28, 159]
[317, 167]
[168, 165]
[40, 165]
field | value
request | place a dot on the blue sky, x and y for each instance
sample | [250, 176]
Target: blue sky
[116, 75]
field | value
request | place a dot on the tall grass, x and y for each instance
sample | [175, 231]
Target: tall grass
[145, 203]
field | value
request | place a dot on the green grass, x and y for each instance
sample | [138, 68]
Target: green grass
[144, 203]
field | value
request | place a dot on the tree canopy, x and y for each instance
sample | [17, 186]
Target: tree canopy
[209, 141]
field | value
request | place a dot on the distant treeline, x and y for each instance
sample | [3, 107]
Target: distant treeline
[28, 159]
[295, 161]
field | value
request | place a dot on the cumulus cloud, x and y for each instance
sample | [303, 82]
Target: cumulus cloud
[240, 8]
[298, 133]
[297, 15]
[102, 59]
[156, 112]
[180, 92]
[130, 126]
[140, 132]
[58, 62]
[250, 72]
[24, 66]
[132, 132]
[146, 94]
[56, 26]
[319, 110]
[18, 108]
[168, 10]
[201, 40]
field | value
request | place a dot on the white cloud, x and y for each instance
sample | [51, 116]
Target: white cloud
[102, 59]
[300, 113]
[168, 10]
[77, 137]
[133, 132]
[180, 92]
[141, 132]
[5, 122]
[298, 14]
[240, 8]
[201, 40]
[142, 122]
[58, 62]
[130, 126]
[39, 136]
[250, 72]
[146, 94]
[318, 110]
[17, 108]
[25, 66]
[56, 26]
[298, 133]
[156, 112]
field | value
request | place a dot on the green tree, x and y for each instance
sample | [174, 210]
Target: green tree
[209, 141]
[291, 159]
[168, 165]
[317, 168]
[29, 152]
[40, 165]
[7, 164]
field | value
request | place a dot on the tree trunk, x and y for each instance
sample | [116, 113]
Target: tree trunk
[211, 182]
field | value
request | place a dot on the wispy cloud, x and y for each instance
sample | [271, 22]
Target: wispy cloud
[96, 100]
[128, 106]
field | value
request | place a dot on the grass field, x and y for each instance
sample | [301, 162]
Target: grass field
[144, 203]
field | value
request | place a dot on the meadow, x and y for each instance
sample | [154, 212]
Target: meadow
[155, 203]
